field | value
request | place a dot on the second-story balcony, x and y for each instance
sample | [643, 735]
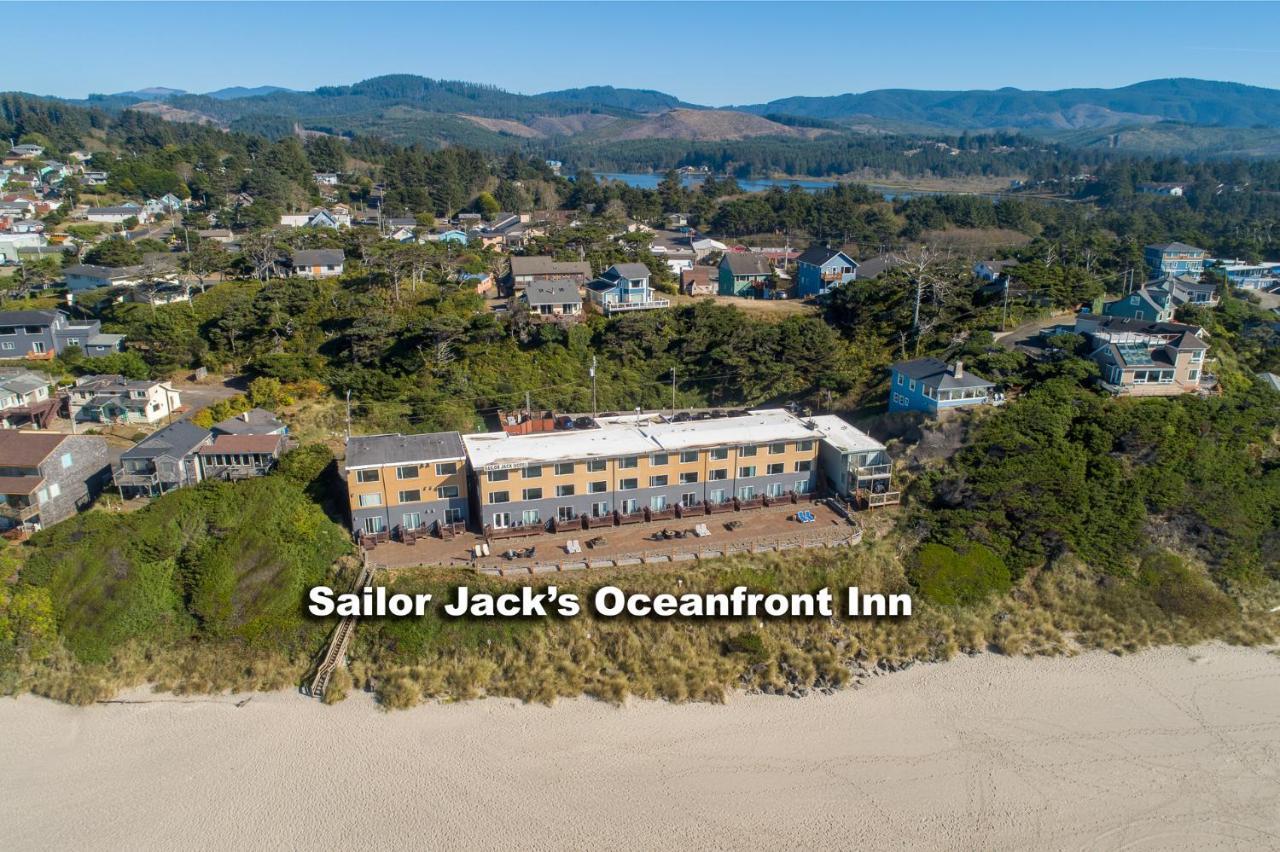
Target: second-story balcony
[619, 307]
[19, 513]
[871, 470]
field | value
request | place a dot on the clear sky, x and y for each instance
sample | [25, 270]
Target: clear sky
[708, 53]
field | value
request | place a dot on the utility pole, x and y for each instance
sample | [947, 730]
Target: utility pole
[348, 414]
[673, 391]
[528, 408]
[1004, 312]
[594, 407]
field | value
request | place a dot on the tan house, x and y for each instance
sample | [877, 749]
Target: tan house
[527, 270]
[1147, 358]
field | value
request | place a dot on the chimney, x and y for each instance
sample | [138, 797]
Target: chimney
[958, 370]
[245, 417]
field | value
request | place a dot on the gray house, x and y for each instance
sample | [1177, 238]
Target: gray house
[84, 276]
[163, 461]
[553, 299]
[255, 421]
[46, 478]
[44, 334]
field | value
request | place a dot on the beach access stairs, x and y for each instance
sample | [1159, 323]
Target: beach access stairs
[341, 639]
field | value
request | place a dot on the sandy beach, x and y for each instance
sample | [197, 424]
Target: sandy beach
[1175, 748]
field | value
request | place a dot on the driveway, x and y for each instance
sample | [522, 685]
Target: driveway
[198, 395]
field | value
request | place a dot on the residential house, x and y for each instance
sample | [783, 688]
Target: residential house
[448, 235]
[119, 214]
[744, 274]
[1142, 304]
[483, 282]
[1146, 358]
[820, 268]
[159, 293]
[1184, 290]
[553, 299]
[1174, 259]
[854, 463]
[933, 386]
[527, 270]
[317, 263]
[26, 152]
[1270, 380]
[1250, 276]
[255, 421]
[47, 477]
[217, 235]
[84, 276]
[163, 461]
[94, 178]
[13, 245]
[414, 482]
[993, 271]
[1174, 190]
[624, 287]
[677, 220]
[115, 399]
[698, 281]
[25, 400]
[316, 217]
[326, 178]
[44, 334]
[704, 246]
[233, 457]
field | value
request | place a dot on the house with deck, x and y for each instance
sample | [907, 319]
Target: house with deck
[744, 274]
[85, 276]
[118, 214]
[855, 464]
[1250, 276]
[117, 400]
[624, 287]
[1174, 259]
[820, 268]
[163, 461]
[1148, 304]
[1147, 358]
[317, 263]
[255, 421]
[933, 386]
[555, 299]
[235, 457]
[417, 483]
[44, 334]
[47, 477]
[527, 270]
[25, 399]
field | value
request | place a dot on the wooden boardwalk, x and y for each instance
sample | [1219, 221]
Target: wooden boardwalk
[341, 639]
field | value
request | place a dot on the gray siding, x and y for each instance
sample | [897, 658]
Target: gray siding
[392, 516]
[80, 483]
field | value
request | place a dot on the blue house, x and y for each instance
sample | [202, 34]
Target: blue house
[1174, 259]
[1146, 303]
[930, 385]
[624, 287]
[820, 268]
[452, 235]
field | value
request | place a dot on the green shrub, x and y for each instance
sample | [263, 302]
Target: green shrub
[1181, 591]
[958, 578]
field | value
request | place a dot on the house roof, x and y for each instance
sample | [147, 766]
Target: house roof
[1135, 326]
[1270, 379]
[938, 374]
[23, 381]
[27, 449]
[818, 255]
[178, 440]
[255, 421]
[20, 484]
[1174, 246]
[839, 434]
[379, 450]
[317, 257]
[242, 444]
[553, 291]
[88, 270]
[874, 267]
[741, 263]
[28, 317]
[630, 271]
[697, 274]
[122, 210]
[544, 265]
[1188, 340]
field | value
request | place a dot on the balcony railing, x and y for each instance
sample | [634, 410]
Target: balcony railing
[874, 470]
[19, 514]
[889, 498]
[616, 307]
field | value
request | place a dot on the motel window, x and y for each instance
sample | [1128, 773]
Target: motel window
[801, 486]
[446, 468]
[804, 446]
[805, 465]
[716, 496]
[689, 478]
[658, 459]
[500, 497]
[596, 465]
[657, 481]
[532, 494]
[775, 469]
[408, 471]
[564, 469]
[746, 472]
[658, 503]
[366, 476]
[497, 476]
[689, 456]
[718, 474]
[628, 462]
[533, 471]
[530, 516]
[720, 454]
[746, 451]
[412, 496]
[375, 525]
[777, 449]
[628, 484]
[597, 487]
[447, 491]
[564, 490]
[370, 499]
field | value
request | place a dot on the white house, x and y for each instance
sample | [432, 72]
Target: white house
[119, 214]
[115, 399]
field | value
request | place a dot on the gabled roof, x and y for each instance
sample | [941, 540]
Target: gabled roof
[544, 265]
[1188, 340]
[741, 263]
[88, 270]
[27, 449]
[1271, 380]
[23, 381]
[255, 421]
[1174, 246]
[177, 441]
[379, 450]
[28, 317]
[630, 271]
[318, 257]
[938, 374]
[263, 444]
[818, 255]
[874, 267]
[552, 291]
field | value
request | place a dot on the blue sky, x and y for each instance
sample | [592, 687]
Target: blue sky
[710, 53]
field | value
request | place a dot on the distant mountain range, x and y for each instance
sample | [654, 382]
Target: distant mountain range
[409, 108]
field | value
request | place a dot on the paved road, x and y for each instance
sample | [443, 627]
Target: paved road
[198, 396]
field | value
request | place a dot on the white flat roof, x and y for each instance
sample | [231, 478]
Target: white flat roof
[635, 434]
[844, 437]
